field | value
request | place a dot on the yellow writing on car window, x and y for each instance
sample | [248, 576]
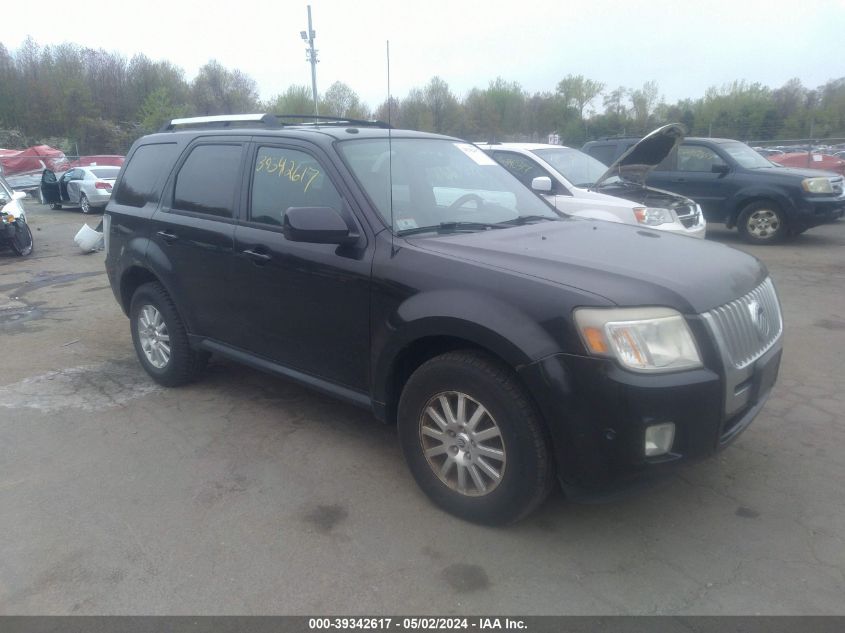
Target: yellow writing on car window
[288, 168]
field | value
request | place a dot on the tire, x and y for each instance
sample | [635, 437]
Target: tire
[762, 222]
[21, 243]
[55, 205]
[507, 437]
[84, 204]
[160, 338]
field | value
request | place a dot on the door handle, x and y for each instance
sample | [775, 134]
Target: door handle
[257, 256]
[168, 236]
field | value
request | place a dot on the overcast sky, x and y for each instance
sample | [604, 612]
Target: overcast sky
[685, 46]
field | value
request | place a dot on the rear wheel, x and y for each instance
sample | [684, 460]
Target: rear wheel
[84, 204]
[21, 242]
[762, 222]
[473, 440]
[160, 338]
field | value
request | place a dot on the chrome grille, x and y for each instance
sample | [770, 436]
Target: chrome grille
[746, 328]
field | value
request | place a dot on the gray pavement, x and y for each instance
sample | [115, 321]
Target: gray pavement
[247, 494]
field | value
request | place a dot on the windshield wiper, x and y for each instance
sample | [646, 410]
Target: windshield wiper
[528, 219]
[446, 227]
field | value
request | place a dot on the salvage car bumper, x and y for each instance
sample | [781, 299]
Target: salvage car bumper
[598, 415]
[819, 211]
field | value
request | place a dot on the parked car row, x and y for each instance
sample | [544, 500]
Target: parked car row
[580, 185]
[514, 346]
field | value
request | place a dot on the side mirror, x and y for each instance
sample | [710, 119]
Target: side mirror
[720, 168]
[542, 184]
[317, 225]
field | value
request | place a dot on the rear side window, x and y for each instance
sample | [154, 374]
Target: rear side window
[144, 174]
[207, 180]
[284, 178]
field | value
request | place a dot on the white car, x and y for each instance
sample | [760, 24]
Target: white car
[575, 183]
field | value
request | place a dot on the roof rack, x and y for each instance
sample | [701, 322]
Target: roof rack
[314, 119]
[270, 120]
[221, 120]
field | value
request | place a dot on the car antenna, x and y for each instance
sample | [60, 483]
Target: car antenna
[390, 152]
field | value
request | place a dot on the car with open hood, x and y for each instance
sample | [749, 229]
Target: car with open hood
[740, 188]
[412, 275]
[580, 185]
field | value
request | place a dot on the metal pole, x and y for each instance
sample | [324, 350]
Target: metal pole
[313, 59]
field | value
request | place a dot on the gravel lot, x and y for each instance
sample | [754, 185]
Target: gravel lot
[246, 494]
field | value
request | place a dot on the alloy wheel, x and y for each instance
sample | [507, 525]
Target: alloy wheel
[153, 336]
[462, 443]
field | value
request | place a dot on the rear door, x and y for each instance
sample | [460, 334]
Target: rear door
[690, 172]
[305, 306]
[192, 232]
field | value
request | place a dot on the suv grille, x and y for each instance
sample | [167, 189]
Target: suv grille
[746, 328]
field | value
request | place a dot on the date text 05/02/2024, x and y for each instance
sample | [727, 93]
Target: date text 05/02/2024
[413, 624]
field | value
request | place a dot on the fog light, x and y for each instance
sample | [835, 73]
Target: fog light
[659, 438]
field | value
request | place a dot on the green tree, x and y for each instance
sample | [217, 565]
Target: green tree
[341, 101]
[296, 99]
[218, 90]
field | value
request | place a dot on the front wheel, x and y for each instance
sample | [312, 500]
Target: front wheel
[473, 440]
[160, 338]
[762, 223]
[21, 242]
[84, 204]
[55, 205]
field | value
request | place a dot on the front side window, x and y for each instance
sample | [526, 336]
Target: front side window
[427, 183]
[207, 180]
[697, 158]
[284, 178]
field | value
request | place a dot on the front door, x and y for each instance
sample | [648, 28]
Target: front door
[305, 306]
[50, 193]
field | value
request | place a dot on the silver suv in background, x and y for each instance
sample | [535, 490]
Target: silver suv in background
[580, 185]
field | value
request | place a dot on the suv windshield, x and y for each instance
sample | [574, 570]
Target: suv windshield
[440, 182]
[581, 169]
[746, 156]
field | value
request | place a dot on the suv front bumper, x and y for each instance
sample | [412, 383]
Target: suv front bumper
[597, 414]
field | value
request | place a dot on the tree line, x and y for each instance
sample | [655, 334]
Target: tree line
[95, 101]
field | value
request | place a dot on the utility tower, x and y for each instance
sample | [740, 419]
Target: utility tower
[311, 56]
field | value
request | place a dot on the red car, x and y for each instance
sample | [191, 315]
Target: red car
[810, 160]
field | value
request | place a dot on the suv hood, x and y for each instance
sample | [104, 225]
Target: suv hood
[627, 265]
[635, 164]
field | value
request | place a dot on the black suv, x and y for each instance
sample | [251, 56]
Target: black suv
[410, 274]
[736, 186]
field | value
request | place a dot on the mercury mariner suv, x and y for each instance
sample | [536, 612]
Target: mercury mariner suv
[411, 274]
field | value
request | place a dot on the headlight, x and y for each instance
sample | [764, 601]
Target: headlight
[642, 339]
[817, 185]
[653, 216]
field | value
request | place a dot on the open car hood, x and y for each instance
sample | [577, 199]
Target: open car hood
[635, 164]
